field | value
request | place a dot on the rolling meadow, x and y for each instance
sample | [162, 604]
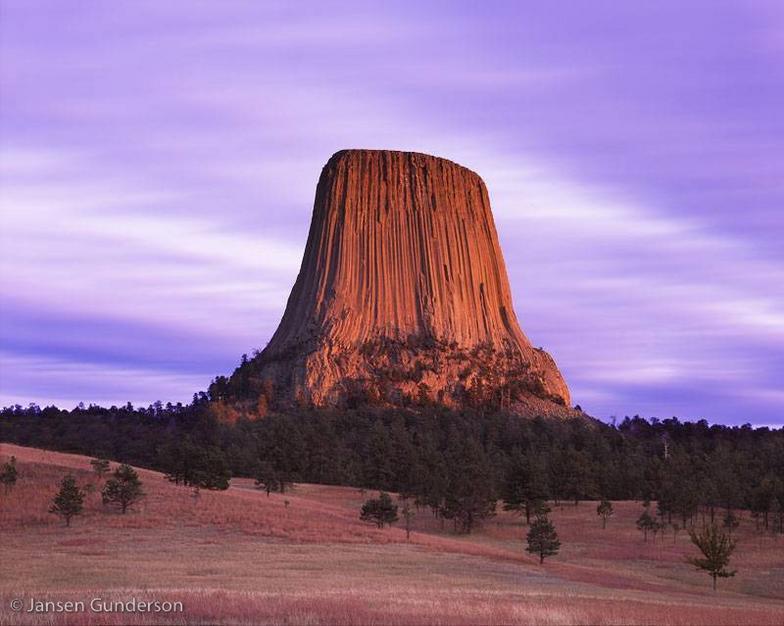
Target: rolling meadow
[304, 557]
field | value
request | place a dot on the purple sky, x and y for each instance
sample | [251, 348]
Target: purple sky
[159, 162]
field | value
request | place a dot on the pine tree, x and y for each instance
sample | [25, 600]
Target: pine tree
[525, 484]
[604, 510]
[433, 476]
[542, 538]
[379, 464]
[646, 523]
[731, 521]
[470, 497]
[677, 496]
[575, 477]
[194, 465]
[408, 515]
[778, 515]
[762, 498]
[68, 501]
[540, 507]
[268, 478]
[379, 510]
[717, 548]
[658, 525]
[213, 471]
[123, 489]
[100, 467]
[9, 474]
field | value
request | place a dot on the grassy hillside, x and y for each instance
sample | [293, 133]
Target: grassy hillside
[241, 557]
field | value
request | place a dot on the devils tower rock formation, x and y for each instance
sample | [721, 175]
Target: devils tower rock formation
[402, 298]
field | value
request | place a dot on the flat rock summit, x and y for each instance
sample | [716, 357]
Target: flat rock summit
[402, 299]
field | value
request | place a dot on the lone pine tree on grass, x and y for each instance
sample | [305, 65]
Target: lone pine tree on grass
[604, 510]
[542, 538]
[9, 474]
[379, 510]
[716, 547]
[123, 489]
[68, 501]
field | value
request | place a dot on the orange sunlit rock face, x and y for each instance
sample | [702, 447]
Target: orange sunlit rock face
[402, 296]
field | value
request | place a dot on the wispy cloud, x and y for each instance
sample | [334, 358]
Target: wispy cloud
[158, 167]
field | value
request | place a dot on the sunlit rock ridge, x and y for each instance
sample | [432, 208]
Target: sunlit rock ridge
[402, 299]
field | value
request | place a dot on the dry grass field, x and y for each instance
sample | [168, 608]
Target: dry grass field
[240, 557]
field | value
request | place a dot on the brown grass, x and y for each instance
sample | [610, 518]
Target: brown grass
[239, 557]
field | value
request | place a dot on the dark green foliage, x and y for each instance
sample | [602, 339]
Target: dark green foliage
[68, 501]
[767, 497]
[658, 525]
[678, 493]
[716, 548]
[123, 489]
[431, 472]
[270, 479]
[542, 538]
[525, 484]
[778, 516]
[9, 474]
[470, 488]
[379, 467]
[731, 521]
[211, 470]
[421, 453]
[647, 523]
[573, 475]
[100, 467]
[194, 465]
[379, 510]
[605, 511]
[408, 514]
[540, 507]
